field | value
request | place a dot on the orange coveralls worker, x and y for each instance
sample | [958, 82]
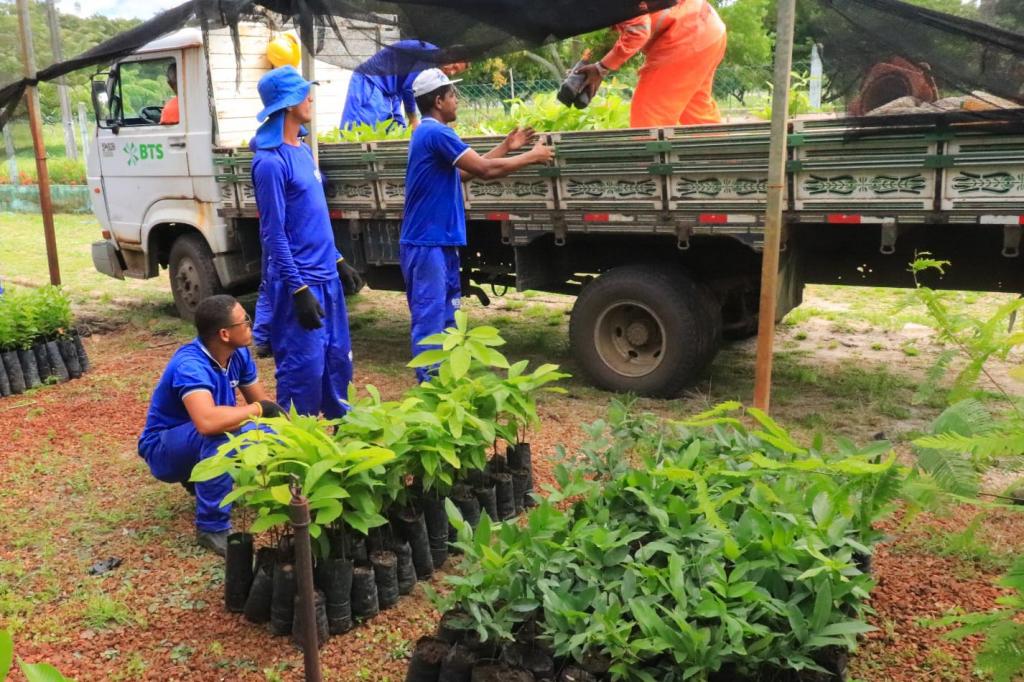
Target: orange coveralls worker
[683, 44]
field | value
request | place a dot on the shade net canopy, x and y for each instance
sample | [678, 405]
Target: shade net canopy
[882, 58]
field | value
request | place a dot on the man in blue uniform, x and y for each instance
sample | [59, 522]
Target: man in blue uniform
[193, 408]
[308, 332]
[381, 88]
[434, 224]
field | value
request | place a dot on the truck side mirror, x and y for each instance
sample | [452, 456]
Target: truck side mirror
[101, 101]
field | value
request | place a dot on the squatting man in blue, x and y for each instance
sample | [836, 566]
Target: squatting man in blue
[304, 272]
[193, 408]
[434, 224]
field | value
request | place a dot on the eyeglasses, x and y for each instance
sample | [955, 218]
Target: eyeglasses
[247, 320]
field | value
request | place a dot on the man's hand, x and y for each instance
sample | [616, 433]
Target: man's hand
[271, 409]
[594, 75]
[541, 153]
[351, 280]
[519, 138]
[308, 309]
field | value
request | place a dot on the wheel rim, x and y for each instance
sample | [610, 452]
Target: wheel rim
[630, 338]
[188, 283]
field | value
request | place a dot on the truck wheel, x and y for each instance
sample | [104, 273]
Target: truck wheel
[642, 329]
[193, 276]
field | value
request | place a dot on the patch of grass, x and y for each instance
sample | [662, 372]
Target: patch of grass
[967, 546]
[911, 351]
[102, 612]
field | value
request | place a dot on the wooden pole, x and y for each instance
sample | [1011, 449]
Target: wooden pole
[12, 160]
[298, 511]
[66, 115]
[773, 215]
[32, 97]
[83, 128]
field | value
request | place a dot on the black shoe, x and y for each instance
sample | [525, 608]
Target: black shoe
[215, 542]
[263, 350]
[189, 487]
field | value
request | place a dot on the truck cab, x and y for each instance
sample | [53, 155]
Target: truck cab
[152, 175]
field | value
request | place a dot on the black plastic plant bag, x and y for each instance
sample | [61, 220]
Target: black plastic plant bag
[413, 529]
[282, 605]
[29, 368]
[385, 570]
[457, 665]
[57, 366]
[70, 355]
[320, 612]
[335, 578]
[14, 373]
[427, 658]
[487, 496]
[405, 569]
[505, 494]
[364, 593]
[238, 572]
[83, 357]
[42, 361]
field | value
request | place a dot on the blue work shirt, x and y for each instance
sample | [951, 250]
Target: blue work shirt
[382, 86]
[435, 214]
[295, 225]
[192, 369]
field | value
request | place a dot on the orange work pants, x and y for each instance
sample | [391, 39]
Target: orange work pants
[676, 89]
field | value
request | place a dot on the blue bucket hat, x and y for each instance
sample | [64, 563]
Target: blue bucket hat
[281, 88]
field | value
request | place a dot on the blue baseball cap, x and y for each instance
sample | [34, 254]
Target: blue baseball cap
[281, 88]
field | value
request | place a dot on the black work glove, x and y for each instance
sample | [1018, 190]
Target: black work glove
[351, 280]
[271, 409]
[308, 309]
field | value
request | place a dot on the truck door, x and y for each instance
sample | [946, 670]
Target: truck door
[142, 142]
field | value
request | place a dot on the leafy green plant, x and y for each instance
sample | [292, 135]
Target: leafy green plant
[33, 672]
[364, 132]
[52, 311]
[683, 548]
[1001, 655]
[472, 402]
[343, 481]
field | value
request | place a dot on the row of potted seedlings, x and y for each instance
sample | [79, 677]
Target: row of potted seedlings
[38, 344]
[698, 550]
[378, 482]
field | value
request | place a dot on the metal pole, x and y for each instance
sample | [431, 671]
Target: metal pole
[32, 97]
[66, 115]
[298, 510]
[83, 128]
[309, 73]
[773, 214]
[12, 161]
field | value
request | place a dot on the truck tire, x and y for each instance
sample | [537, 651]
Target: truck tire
[193, 276]
[643, 329]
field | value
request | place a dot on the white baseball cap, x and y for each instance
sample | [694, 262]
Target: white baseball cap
[430, 80]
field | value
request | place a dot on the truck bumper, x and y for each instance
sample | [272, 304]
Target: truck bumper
[105, 259]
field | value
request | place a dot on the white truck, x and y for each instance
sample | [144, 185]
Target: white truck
[658, 231]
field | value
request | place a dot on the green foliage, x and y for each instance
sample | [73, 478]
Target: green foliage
[966, 437]
[30, 315]
[78, 34]
[365, 132]
[680, 548]
[1001, 655]
[33, 672]
[544, 113]
[341, 480]
[434, 435]
[471, 401]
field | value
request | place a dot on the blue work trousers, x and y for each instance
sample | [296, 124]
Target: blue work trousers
[314, 367]
[433, 290]
[172, 456]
